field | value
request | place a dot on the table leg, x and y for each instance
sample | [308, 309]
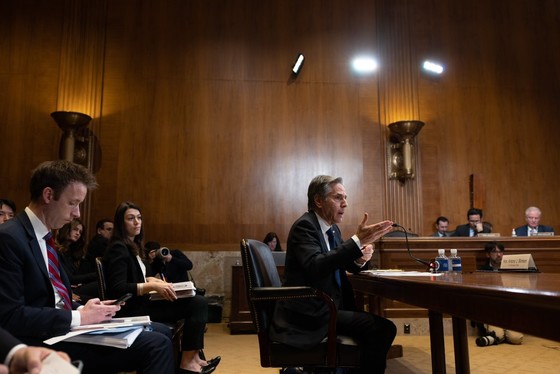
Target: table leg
[437, 342]
[461, 346]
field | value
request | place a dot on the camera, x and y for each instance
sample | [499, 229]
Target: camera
[483, 341]
[162, 252]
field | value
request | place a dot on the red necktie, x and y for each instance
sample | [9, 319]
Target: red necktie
[54, 272]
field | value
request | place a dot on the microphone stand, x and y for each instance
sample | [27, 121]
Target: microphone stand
[431, 266]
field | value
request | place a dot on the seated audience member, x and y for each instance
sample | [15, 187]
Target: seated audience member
[126, 272]
[317, 256]
[19, 358]
[70, 244]
[273, 242]
[172, 267]
[442, 225]
[491, 335]
[474, 225]
[7, 210]
[533, 226]
[35, 294]
[97, 244]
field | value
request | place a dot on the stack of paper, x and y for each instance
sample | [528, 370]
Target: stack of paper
[182, 289]
[119, 332]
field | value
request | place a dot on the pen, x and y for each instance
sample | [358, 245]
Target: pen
[163, 277]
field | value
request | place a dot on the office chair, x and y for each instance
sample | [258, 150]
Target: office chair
[263, 289]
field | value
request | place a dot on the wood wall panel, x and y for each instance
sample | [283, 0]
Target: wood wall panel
[201, 125]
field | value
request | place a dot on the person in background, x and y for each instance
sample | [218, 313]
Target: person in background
[70, 244]
[273, 242]
[19, 358]
[7, 210]
[172, 267]
[97, 245]
[317, 257]
[489, 334]
[441, 225]
[474, 225]
[35, 294]
[126, 272]
[533, 226]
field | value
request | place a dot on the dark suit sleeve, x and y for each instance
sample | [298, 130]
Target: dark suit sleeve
[120, 271]
[26, 294]
[7, 342]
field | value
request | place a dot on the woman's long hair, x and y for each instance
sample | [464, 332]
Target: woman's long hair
[75, 250]
[136, 246]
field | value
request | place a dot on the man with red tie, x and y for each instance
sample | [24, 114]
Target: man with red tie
[317, 257]
[35, 294]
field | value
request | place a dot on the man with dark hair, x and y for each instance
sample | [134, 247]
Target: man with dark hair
[35, 293]
[7, 210]
[474, 226]
[317, 257]
[97, 245]
[442, 225]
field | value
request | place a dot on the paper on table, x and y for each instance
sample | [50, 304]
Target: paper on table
[402, 273]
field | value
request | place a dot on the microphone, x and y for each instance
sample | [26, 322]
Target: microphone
[430, 265]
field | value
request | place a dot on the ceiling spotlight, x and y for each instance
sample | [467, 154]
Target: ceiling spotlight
[298, 64]
[364, 65]
[433, 67]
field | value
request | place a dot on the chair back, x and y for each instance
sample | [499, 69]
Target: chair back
[101, 284]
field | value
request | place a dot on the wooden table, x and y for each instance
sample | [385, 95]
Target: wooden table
[524, 302]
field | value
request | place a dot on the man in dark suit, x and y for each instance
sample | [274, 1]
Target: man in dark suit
[34, 297]
[441, 225]
[312, 261]
[533, 226]
[474, 226]
[20, 358]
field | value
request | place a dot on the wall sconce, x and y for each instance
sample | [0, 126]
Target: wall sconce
[402, 148]
[74, 145]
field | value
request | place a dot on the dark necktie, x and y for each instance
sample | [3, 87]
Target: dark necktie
[332, 244]
[54, 272]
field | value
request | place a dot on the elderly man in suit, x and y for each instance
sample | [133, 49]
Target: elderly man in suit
[317, 256]
[35, 294]
[533, 226]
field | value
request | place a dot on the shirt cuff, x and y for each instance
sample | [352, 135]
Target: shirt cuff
[357, 241]
[12, 353]
[76, 319]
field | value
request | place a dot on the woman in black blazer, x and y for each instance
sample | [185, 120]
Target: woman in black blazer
[126, 272]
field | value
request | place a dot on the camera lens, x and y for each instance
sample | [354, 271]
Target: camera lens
[483, 341]
[162, 252]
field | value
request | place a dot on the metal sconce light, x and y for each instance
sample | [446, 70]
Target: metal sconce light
[74, 145]
[402, 149]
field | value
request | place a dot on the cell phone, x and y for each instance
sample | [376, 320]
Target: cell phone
[122, 299]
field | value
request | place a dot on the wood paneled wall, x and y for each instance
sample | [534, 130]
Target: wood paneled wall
[201, 124]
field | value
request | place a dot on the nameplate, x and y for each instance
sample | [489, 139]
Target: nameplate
[544, 234]
[488, 234]
[518, 262]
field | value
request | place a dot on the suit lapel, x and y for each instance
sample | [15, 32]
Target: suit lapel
[33, 244]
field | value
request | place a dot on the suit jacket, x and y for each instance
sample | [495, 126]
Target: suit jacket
[524, 230]
[26, 294]
[302, 323]
[464, 230]
[7, 342]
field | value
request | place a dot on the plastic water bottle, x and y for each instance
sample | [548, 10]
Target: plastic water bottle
[513, 233]
[442, 262]
[456, 265]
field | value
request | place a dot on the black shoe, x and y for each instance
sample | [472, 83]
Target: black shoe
[212, 364]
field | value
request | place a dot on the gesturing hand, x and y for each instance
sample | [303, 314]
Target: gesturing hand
[370, 233]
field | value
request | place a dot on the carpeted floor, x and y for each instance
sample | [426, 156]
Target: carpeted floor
[240, 355]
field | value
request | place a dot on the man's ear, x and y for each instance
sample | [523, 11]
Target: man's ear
[318, 201]
[48, 195]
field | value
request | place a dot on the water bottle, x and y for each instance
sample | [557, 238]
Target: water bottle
[513, 233]
[456, 265]
[442, 262]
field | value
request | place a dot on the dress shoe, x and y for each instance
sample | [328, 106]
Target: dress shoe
[212, 364]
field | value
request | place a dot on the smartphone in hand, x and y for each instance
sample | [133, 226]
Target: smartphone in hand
[121, 300]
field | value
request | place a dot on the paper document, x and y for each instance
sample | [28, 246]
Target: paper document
[122, 339]
[402, 273]
[54, 364]
[182, 289]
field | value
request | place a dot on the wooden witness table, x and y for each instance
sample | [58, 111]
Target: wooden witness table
[525, 302]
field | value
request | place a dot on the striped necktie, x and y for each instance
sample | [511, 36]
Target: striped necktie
[54, 272]
[332, 244]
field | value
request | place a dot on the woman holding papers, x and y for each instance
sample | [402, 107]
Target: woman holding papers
[126, 272]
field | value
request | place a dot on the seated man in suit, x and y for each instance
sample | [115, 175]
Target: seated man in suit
[442, 225]
[533, 226]
[35, 293]
[317, 257]
[19, 358]
[474, 226]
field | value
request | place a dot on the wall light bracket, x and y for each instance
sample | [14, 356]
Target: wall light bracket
[74, 145]
[401, 149]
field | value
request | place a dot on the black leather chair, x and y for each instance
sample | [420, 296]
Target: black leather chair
[263, 289]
